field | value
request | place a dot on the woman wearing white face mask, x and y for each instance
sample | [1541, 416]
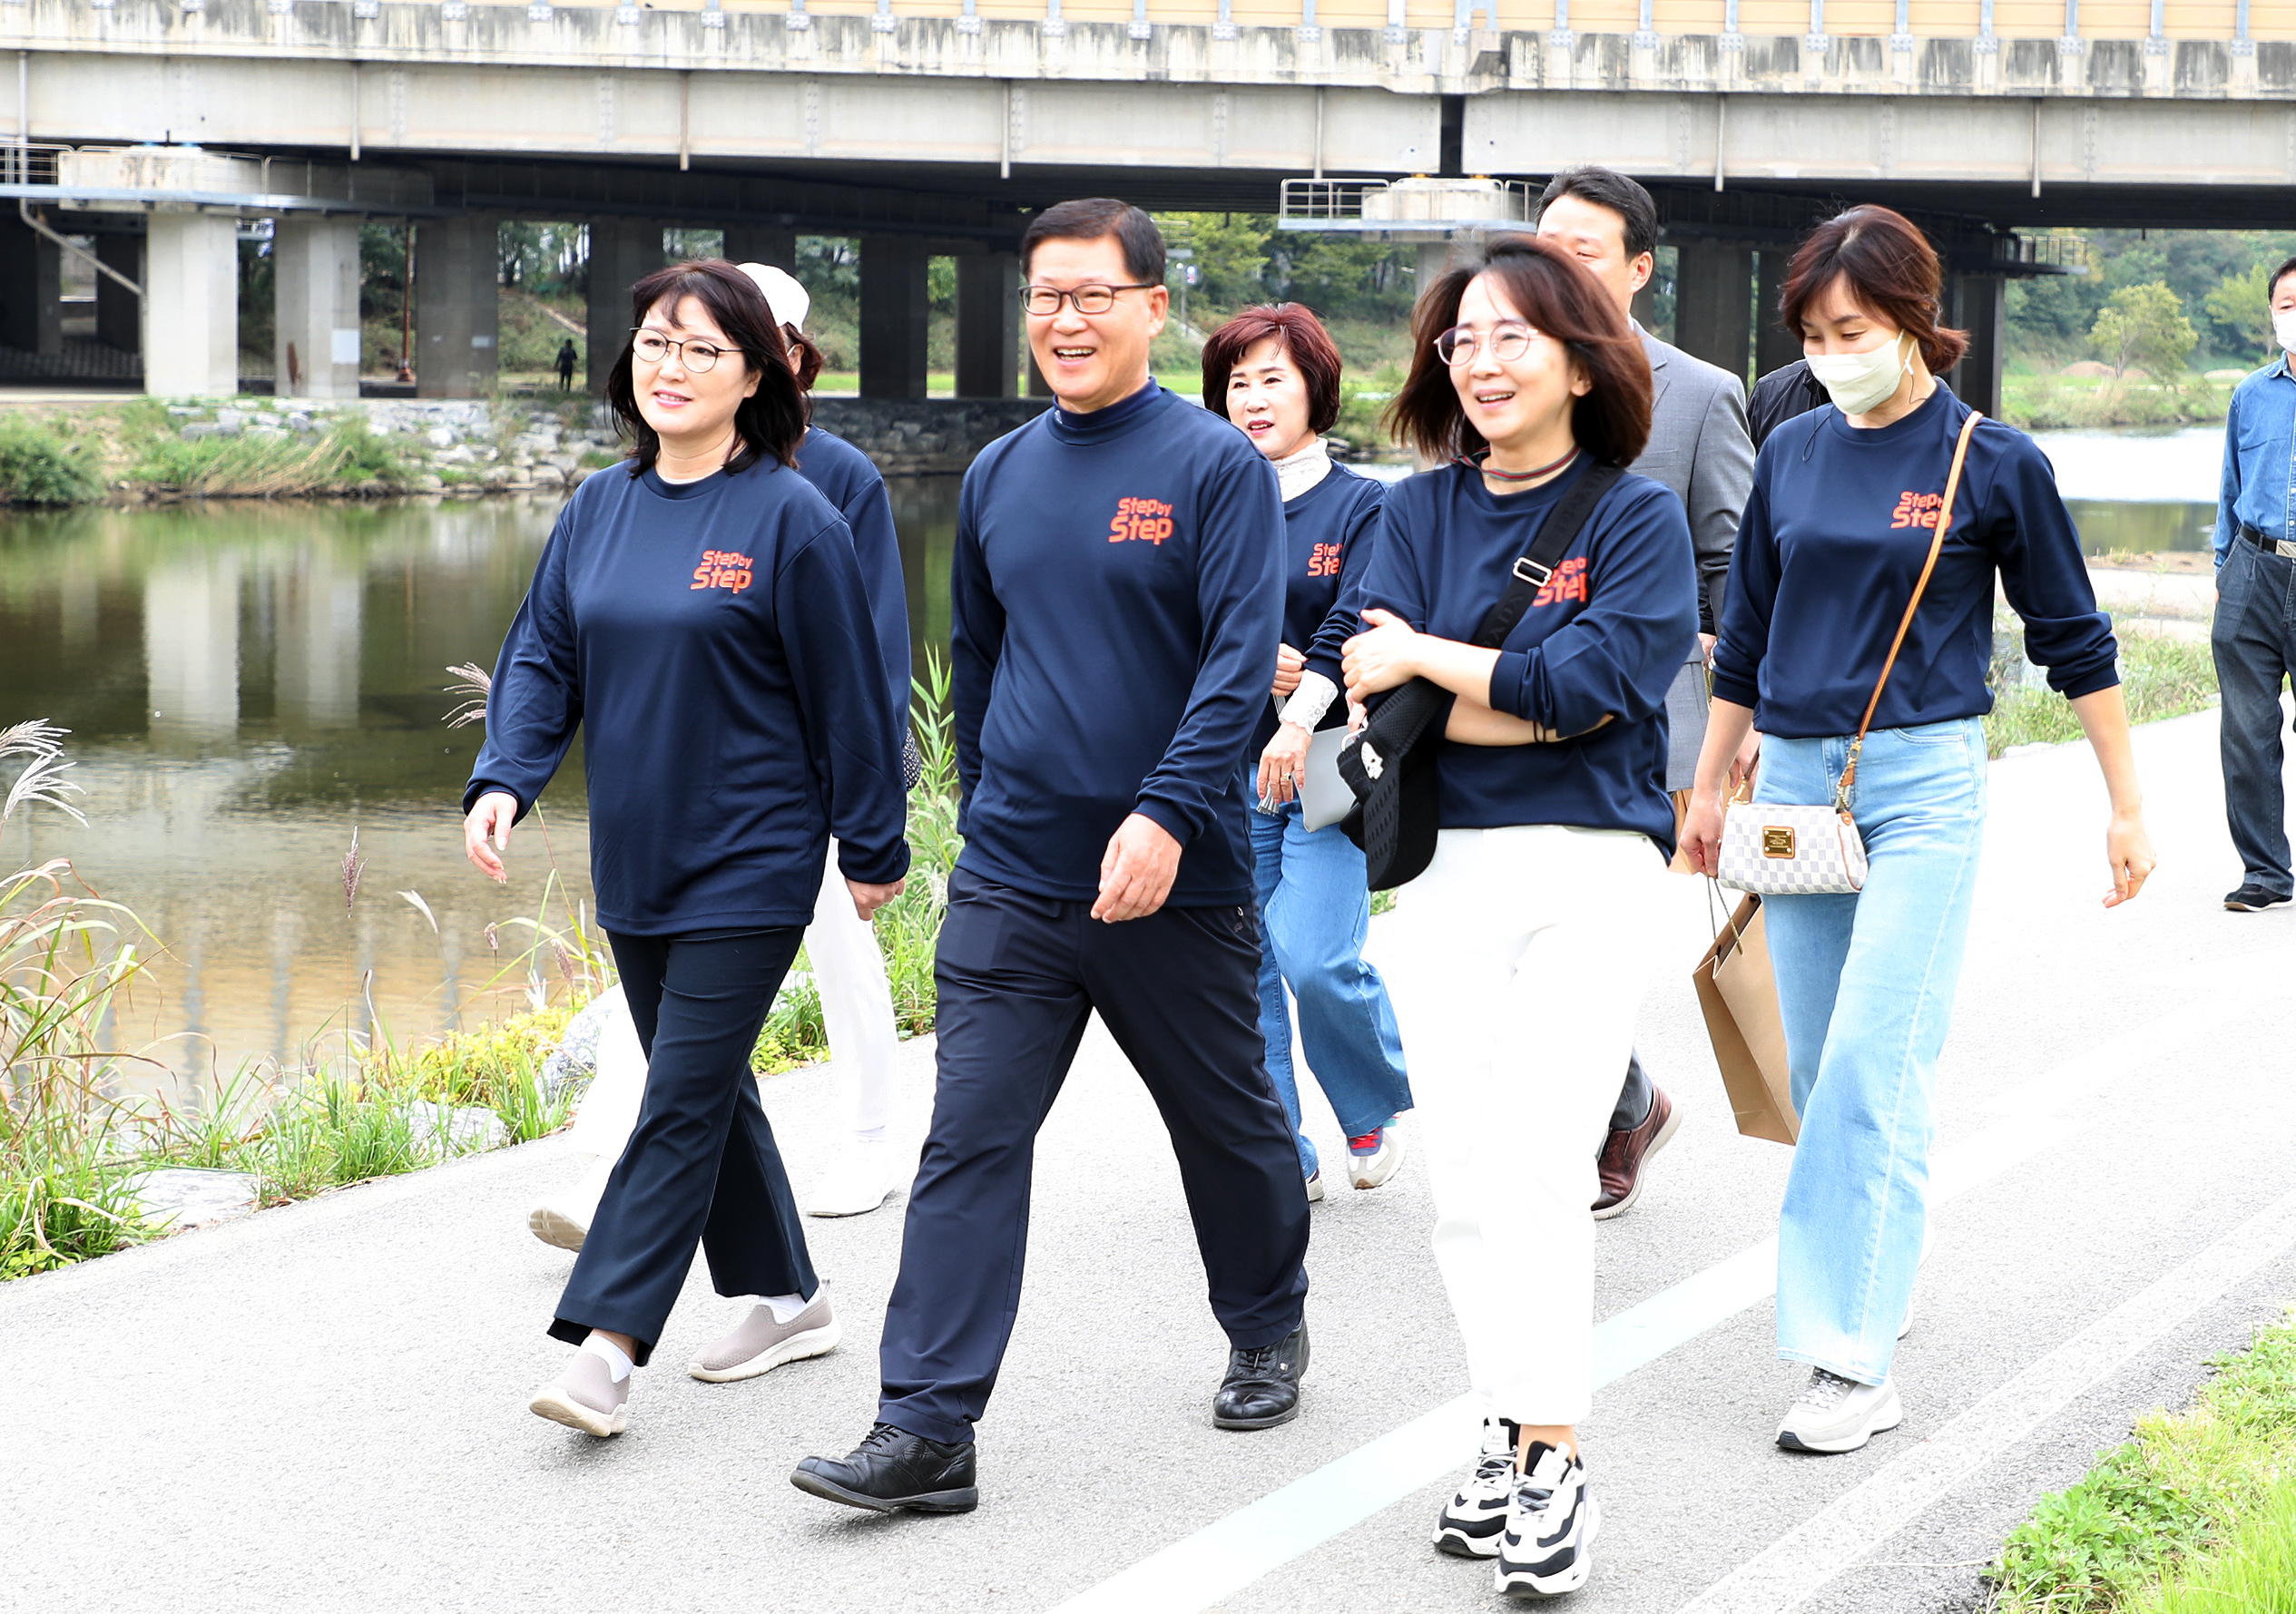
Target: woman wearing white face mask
[1836, 536]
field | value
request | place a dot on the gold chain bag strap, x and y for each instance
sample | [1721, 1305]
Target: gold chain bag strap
[1789, 849]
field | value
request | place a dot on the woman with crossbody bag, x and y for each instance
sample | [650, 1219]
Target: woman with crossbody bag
[1857, 635]
[1543, 598]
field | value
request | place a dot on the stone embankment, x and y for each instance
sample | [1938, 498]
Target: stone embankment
[448, 445]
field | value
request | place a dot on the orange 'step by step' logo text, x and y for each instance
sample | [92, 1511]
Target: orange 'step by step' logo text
[1917, 510]
[721, 569]
[1141, 518]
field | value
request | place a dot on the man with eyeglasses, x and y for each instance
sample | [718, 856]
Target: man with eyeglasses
[1116, 605]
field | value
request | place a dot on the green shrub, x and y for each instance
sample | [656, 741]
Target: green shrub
[2160, 677]
[40, 466]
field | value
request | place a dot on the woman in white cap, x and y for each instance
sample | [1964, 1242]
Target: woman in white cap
[848, 968]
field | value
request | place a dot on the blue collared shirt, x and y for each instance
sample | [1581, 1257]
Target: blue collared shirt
[2259, 459]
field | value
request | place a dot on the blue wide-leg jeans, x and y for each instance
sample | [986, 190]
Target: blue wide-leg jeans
[1865, 987]
[1315, 911]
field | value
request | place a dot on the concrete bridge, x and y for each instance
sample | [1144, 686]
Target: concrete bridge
[933, 127]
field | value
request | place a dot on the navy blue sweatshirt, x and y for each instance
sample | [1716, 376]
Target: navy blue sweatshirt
[1834, 538]
[1116, 603]
[714, 640]
[1328, 535]
[850, 480]
[1606, 635]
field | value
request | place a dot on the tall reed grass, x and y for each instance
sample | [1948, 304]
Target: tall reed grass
[349, 458]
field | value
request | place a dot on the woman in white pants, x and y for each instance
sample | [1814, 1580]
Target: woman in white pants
[1518, 957]
[847, 966]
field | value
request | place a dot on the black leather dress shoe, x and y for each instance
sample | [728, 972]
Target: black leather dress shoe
[1262, 1388]
[893, 1469]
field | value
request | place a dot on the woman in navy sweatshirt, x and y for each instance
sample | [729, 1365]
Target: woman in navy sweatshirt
[1274, 372]
[1520, 955]
[1844, 511]
[703, 621]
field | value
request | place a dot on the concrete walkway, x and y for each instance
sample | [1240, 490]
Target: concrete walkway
[323, 1407]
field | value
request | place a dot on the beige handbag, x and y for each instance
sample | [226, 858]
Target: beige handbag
[1793, 849]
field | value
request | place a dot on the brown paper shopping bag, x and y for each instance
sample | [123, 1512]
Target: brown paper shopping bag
[1741, 1003]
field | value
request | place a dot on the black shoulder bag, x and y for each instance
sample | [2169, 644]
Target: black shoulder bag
[1389, 764]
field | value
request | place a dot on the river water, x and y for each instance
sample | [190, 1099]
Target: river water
[247, 684]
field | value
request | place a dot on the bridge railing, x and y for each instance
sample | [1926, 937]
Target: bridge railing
[2160, 22]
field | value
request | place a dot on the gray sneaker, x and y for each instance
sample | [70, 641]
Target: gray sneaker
[760, 1345]
[585, 1397]
[1835, 1415]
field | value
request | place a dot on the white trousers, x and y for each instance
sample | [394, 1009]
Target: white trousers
[857, 1006]
[1515, 963]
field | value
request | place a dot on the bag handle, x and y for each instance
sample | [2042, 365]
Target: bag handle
[1937, 547]
[1530, 572]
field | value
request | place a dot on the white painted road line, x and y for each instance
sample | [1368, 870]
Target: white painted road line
[1800, 1562]
[1229, 1554]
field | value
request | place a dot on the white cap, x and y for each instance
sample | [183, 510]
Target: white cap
[783, 295]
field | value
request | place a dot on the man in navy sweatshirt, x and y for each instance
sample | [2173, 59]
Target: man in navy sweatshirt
[1117, 598]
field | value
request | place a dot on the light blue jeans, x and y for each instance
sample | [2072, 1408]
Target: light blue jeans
[1865, 986]
[1315, 910]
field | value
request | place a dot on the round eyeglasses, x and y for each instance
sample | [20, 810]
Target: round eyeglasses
[695, 354]
[1510, 341]
[1044, 300]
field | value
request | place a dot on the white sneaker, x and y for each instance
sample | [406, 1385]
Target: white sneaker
[1375, 1157]
[1315, 1186]
[1551, 1524]
[1833, 1414]
[1473, 1519]
[859, 1181]
[564, 1219]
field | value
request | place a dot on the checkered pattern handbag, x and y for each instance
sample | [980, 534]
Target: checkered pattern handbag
[1780, 849]
[1789, 849]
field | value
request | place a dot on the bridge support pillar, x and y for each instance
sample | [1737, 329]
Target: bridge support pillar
[119, 312]
[761, 243]
[1713, 303]
[457, 317]
[192, 305]
[987, 324]
[317, 332]
[1979, 307]
[894, 311]
[1775, 346]
[621, 254]
[31, 285]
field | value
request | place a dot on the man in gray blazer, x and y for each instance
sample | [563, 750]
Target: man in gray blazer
[1699, 447]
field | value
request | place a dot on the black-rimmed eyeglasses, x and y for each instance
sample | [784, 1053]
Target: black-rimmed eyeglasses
[1046, 300]
[695, 354]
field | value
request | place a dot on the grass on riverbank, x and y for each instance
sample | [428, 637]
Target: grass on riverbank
[2043, 402]
[2160, 677]
[2196, 1506]
[346, 458]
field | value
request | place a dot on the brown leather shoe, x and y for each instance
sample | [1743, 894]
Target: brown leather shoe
[1624, 1153]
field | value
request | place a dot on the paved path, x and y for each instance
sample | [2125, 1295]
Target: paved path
[323, 1407]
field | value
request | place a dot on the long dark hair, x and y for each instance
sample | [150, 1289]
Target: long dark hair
[1557, 295]
[1887, 266]
[772, 421]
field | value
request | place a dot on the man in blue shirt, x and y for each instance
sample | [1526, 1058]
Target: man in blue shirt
[2254, 638]
[1117, 597]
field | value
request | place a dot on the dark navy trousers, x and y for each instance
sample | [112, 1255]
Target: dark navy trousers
[701, 1164]
[1019, 975]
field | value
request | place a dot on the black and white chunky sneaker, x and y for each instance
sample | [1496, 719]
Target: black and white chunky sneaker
[1551, 1521]
[1471, 1521]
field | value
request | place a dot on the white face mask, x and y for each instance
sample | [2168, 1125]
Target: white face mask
[1859, 381]
[2284, 330]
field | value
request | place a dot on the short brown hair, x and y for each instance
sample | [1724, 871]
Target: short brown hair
[1887, 266]
[1557, 295]
[1090, 218]
[1304, 339]
[805, 355]
[772, 421]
